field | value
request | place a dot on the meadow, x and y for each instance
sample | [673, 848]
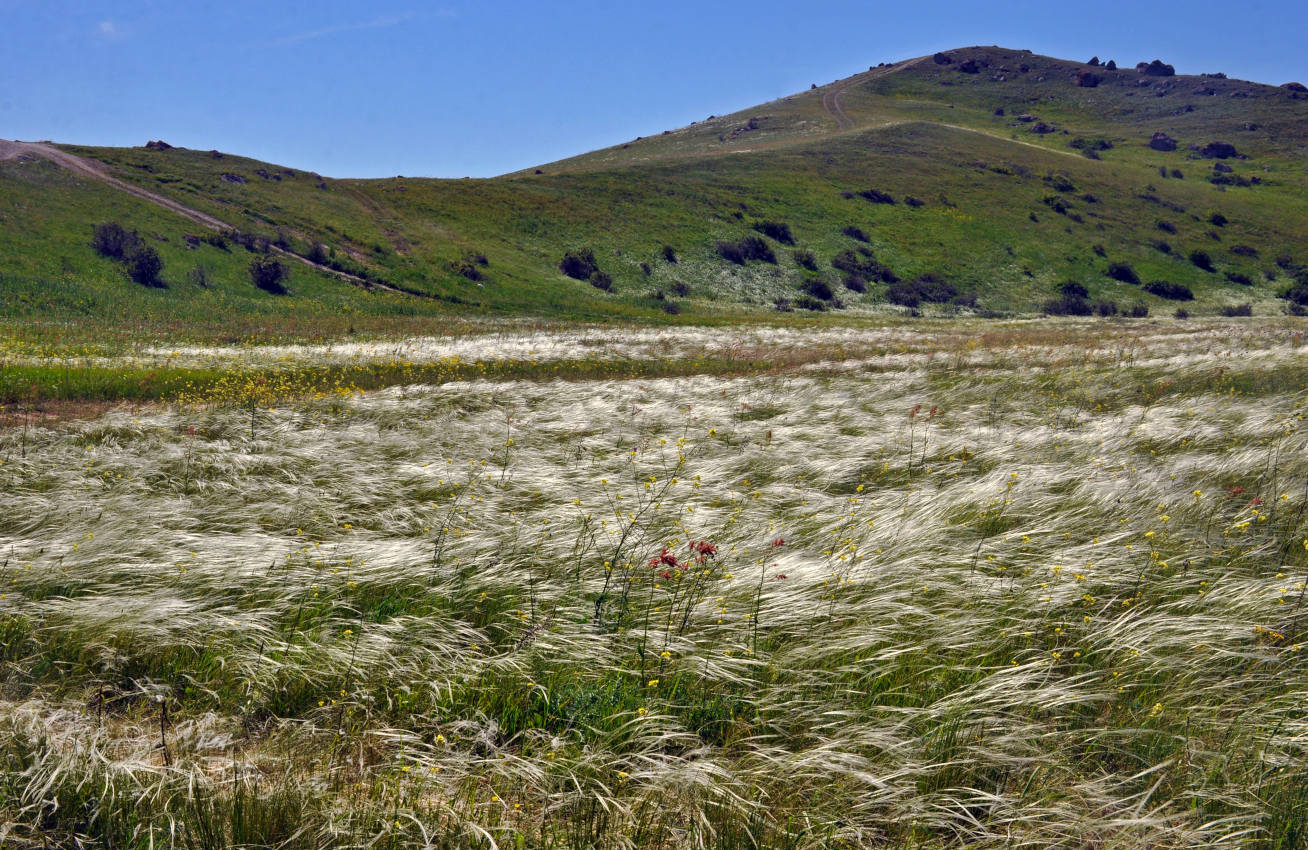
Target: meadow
[933, 584]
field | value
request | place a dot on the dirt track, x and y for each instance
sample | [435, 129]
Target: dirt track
[93, 170]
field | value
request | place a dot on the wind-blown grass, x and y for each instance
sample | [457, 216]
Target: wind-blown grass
[985, 595]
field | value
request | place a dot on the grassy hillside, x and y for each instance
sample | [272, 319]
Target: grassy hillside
[1001, 215]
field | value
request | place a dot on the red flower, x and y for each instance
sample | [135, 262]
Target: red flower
[703, 549]
[1256, 501]
[780, 541]
[781, 575]
[666, 559]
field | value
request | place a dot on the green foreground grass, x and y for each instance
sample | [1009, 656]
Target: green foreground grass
[1036, 589]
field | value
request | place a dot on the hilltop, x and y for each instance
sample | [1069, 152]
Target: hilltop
[978, 181]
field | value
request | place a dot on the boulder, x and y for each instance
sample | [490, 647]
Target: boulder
[1295, 87]
[970, 67]
[942, 59]
[1222, 168]
[1087, 79]
[1162, 142]
[1156, 68]
[159, 145]
[1042, 128]
[1218, 150]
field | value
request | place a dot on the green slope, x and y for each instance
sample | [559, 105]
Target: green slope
[1007, 214]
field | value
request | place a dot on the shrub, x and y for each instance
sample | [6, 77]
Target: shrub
[1244, 251]
[680, 289]
[1178, 174]
[646, 269]
[1073, 289]
[217, 240]
[1137, 311]
[867, 267]
[1240, 278]
[1181, 313]
[782, 305]
[775, 230]
[143, 266]
[268, 274]
[818, 288]
[672, 308]
[1084, 144]
[1060, 183]
[1123, 272]
[1068, 305]
[1106, 308]
[1170, 291]
[805, 259]
[1234, 310]
[670, 254]
[1165, 226]
[747, 249]
[914, 202]
[1099, 250]
[112, 240]
[579, 265]
[468, 271]
[930, 288]
[1201, 260]
[855, 283]
[808, 302]
[876, 196]
[317, 253]
[1161, 246]
[1295, 293]
[601, 280]
[1218, 220]
[856, 233]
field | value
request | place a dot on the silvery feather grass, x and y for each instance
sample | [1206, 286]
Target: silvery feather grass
[994, 594]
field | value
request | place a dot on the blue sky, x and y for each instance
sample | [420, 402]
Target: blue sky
[449, 89]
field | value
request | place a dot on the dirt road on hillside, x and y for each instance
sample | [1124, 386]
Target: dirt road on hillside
[98, 171]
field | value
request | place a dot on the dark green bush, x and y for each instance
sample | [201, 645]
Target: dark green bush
[805, 259]
[669, 254]
[1165, 226]
[1201, 260]
[601, 280]
[579, 264]
[867, 267]
[1218, 220]
[854, 232]
[1073, 289]
[748, 248]
[776, 230]
[1233, 310]
[1068, 305]
[1240, 278]
[143, 266]
[1122, 272]
[876, 196]
[808, 302]
[268, 274]
[680, 289]
[1170, 291]
[818, 288]
[112, 240]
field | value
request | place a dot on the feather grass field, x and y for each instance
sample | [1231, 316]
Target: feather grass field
[1042, 586]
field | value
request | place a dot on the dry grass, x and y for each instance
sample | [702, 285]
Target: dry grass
[1031, 591]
